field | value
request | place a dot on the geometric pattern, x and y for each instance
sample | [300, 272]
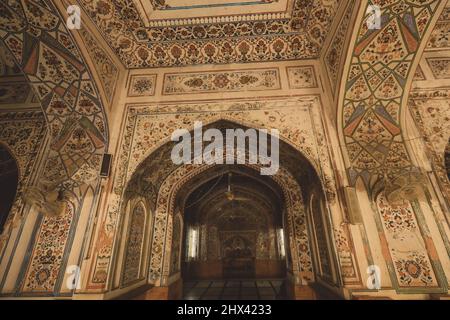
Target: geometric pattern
[44, 49]
[439, 37]
[200, 42]
[380, 65]
[419, 75]
[14, 88]
[14, 92]
[8, 66]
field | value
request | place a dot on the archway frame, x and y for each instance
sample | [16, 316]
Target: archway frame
[20, 177]
[126, 166]
[162, 239]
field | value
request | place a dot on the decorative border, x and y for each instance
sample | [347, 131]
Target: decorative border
[160, 5]
[107, 71]
[337, 49]
[301, 36]
[221, 80]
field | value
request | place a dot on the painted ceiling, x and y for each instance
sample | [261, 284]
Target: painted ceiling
[161, 33]
[256, 199]
[154, 12]
[15, 92]
[375, 88]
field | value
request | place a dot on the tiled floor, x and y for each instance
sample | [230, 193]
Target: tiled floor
[234, 290]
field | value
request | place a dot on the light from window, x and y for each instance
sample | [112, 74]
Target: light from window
[193, 243]
[281, 249]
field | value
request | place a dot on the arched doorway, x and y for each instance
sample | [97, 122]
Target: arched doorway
[177, 195]
[233, 244]
[9, 179]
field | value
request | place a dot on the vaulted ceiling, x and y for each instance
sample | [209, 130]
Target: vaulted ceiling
[256, 203]
[154, 33]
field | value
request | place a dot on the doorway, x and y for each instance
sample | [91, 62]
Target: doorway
[234, 243]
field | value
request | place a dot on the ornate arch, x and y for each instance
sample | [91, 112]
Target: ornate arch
[162, 238]
[239, 120]
[132, 162]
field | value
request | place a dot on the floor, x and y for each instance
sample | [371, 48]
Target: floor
[234, 290]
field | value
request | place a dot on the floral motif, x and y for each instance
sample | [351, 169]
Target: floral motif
[134, 245]
[262, 79]
[405, 244]
[415, 270]
[48, 253]
[214, 42]
[380, 66]
[104, 65]
[142, 85]
[334, 53]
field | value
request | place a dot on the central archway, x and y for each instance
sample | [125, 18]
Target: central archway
[292, 218]
[165, 185]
